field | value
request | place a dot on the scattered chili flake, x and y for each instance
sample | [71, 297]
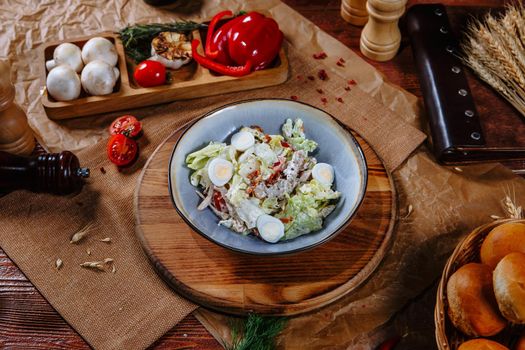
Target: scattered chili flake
[320, 91]
[320, 56]
[293, 97]
[341, 60]
[340, 64]
[339, 99]
[347, 88]
[324, 100]
[311, 77]
[322, 74]
[299, 77]
[102, 170]
[352, 82]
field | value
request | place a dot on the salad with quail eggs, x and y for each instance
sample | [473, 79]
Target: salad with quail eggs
[265, 185]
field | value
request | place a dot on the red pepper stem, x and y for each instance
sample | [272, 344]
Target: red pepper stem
[234, 71]
[211, 30]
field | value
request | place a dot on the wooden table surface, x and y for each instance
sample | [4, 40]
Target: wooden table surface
[27, 321]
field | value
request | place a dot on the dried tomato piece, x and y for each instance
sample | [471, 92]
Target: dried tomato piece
[322, 74]
[320, 56]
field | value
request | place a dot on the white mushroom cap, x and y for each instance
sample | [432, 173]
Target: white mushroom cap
[99, 78]
[63, 83]
[99, 48]
[68, 54]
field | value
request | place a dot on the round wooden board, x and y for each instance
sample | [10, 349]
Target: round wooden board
[237, 283]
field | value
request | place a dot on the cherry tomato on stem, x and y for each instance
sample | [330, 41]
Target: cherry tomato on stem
[150, 73]
[122, 151]
[127, 125]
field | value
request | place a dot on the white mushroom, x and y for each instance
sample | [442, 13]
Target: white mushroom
[101, 49]
[68, 54]
[99, 78]
[63, 83]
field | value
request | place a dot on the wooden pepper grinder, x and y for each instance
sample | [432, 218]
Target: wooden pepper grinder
[354, 12]
[380, 38]
[57, 173]
[15, 134]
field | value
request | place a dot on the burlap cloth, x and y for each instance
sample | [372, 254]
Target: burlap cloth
[132, 307]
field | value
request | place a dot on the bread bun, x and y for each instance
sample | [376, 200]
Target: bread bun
[520, 345]
[472, 307]
[481, 344]
[509, 287]
[502, 240]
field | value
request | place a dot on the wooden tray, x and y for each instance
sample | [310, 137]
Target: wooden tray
[190, 81]
[238, 283]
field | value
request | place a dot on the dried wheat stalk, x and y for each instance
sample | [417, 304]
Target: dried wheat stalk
[495, 49]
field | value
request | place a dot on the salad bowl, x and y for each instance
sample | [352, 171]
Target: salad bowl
[336, 146]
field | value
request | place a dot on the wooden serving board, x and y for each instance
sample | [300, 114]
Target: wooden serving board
[238, 283]
[190, 81]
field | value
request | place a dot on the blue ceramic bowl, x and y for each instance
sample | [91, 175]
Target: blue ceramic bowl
[336, 147]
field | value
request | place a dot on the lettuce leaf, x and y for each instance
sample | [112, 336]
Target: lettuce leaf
[294, 135]
[198, 159]
[305, 208]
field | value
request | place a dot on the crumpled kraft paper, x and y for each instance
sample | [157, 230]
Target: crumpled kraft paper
[447, 203]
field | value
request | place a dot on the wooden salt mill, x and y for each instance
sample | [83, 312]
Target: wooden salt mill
[380, 38]
[16, 136]
[354, 12]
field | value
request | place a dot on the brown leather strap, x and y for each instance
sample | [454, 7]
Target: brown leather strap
[455, 127]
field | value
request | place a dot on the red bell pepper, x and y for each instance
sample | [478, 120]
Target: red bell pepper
[250, 41]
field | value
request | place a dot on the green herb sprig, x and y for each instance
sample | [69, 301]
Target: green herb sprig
[137, 38]
[256, 333]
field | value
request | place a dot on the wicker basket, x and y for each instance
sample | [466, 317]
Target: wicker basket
[447, 336]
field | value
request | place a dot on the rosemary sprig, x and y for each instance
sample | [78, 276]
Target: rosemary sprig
[137, 38]
[256, 333]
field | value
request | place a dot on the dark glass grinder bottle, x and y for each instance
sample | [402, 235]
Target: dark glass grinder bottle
[57, 173]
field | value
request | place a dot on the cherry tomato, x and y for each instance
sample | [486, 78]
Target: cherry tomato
[127, 125]
[121, 150]
[150, 73]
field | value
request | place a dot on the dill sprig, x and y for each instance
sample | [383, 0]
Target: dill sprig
[256, 333]
[137, 38]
